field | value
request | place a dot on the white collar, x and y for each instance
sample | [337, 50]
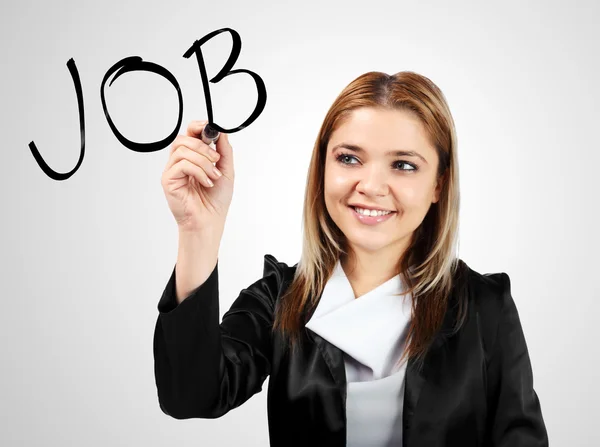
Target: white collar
[371, 328]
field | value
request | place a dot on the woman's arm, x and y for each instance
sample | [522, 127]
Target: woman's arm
[514, 408]
[204, 369]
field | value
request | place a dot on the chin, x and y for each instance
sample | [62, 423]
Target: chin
[368, 241]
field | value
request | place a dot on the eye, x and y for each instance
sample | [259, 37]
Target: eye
[344, 156]
[413, 167]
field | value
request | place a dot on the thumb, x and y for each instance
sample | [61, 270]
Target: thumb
[225, 163]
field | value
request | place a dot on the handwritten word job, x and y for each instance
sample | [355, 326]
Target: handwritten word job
[135, 63]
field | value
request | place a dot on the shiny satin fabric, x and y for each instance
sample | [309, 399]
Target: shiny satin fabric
[475, 387]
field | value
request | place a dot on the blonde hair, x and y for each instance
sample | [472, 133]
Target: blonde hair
[429, 265]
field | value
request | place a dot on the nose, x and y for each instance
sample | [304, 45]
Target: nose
[373, 181]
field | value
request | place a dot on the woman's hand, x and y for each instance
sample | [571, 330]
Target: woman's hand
[195, 204]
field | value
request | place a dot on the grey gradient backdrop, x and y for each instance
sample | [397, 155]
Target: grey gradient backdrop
[84, 261]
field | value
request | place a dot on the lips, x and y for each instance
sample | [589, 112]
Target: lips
[371, 220]
[355, 208]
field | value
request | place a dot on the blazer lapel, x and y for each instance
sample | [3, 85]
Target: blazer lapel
[418, 378]
[415, 376]
[335, 361]
[414, 380]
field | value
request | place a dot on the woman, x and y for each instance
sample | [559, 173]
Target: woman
[380, 335]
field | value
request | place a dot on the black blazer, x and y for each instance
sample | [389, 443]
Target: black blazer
[475, 389]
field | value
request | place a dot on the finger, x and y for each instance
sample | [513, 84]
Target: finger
[185, 153]
[195, 128]
[196, 145]
[184, 168]
[225, 162]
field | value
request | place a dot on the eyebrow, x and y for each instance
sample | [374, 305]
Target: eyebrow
[360, 150]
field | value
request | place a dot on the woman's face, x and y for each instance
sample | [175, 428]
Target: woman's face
[405, 184]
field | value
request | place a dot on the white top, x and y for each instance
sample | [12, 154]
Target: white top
[371, 332]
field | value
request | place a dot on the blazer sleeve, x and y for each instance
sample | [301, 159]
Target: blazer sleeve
[515, 413]
[204, 368]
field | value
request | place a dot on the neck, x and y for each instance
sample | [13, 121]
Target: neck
[369, 269]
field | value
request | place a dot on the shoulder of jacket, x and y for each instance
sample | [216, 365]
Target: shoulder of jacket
[279, 270]
[479, 289]
[488, 289]
[490, 295]
[260, 296]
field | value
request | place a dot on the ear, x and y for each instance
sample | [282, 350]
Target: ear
[438, 188]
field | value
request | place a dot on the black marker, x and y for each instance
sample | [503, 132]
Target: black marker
[210, 134]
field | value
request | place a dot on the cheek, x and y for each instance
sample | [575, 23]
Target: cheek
[336, 183]
[408, 195]
[412, 196]
[339, 180]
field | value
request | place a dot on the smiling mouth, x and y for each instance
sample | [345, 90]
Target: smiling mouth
[355, 209]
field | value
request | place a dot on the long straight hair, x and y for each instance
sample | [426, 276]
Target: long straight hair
[430, 266]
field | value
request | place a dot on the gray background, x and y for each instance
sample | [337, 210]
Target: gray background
[84, 261]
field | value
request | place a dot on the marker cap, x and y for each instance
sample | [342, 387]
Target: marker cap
[210, 134]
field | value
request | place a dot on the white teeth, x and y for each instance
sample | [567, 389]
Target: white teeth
[371, 213]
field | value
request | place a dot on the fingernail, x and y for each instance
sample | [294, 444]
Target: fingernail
[217, 172]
